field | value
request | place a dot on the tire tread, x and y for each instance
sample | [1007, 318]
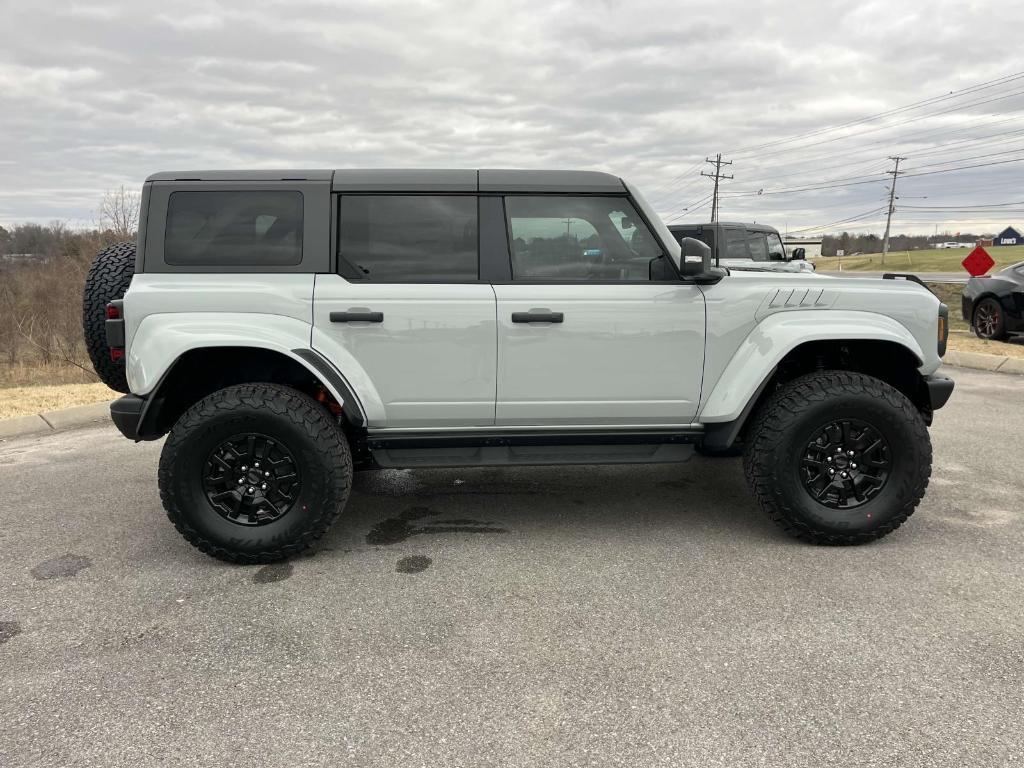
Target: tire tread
[315, 421]
[778, 416]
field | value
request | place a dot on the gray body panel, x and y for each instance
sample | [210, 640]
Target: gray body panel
[449, 356]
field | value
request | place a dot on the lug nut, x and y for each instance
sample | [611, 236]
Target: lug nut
[848, 453]
[828, 458]
[251, 489]
[264, 486]
[241, 481]
[257, 465]
[853, 466]
[266, 474]
[244, 467]
[831, 471]
[844, 474]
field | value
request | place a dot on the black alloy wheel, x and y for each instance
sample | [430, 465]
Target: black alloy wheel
[251, 479]
[845, 464]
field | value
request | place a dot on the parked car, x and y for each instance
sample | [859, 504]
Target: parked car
[284, 329]
[993, 305]
[745, 246]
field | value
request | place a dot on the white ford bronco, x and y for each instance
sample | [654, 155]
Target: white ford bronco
[285, 329]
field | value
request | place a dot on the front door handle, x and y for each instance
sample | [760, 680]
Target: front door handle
[537, 317]
[357, 316]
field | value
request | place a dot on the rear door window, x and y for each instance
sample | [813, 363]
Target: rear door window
[234, 228]
[409, 238]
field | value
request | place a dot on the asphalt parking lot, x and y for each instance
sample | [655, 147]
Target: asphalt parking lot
[599, 616]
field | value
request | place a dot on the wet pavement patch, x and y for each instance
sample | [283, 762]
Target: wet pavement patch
[396, 529]
[9, 629]
[273, 572]
[63, 567]
[413, 564]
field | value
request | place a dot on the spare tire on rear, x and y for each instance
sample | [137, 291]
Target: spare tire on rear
[108, 279]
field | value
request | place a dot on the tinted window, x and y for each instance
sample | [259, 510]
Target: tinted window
[579, 238]
[758, 246]
[736, 244]
[251, 229]
[403, 238]
[776, 250]
[706, 236]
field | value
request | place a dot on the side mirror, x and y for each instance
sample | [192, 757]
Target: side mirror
[799, 254]
[696, 257]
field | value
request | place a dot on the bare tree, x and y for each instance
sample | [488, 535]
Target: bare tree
[119, 212]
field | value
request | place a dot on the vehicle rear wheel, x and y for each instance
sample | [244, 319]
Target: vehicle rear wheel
[255, 473]
[108, 279]
[989, 321]
[836, 457]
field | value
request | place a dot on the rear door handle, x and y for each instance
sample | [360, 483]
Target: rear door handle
[537, 317]
[362, 316]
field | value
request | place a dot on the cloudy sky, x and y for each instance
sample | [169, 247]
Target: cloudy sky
[98, 94]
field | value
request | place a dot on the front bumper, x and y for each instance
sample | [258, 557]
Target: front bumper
[939, 390]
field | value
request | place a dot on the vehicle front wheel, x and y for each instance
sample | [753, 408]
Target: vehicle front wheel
[989, 322]
[837, 457]
[255, 473]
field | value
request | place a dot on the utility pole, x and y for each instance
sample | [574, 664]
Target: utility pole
[718, 162]
[892, 196]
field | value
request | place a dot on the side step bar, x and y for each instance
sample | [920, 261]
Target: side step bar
[526, 448]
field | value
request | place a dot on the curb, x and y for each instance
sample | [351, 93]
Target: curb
[983, 362]
[54, 421]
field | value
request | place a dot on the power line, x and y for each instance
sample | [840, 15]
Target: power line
[893, 125]
[999, 137]
[853, 183]
[908, 107]
[840, 221]
[965, 207]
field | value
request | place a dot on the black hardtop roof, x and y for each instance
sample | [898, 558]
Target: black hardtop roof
[420, 180]
[744, 225]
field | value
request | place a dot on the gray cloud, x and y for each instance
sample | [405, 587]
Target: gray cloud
[99, 94]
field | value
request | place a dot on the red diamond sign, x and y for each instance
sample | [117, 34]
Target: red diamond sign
[978, 262]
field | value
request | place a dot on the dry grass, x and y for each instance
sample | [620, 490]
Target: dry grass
[965, 341]
[23, 401]
[28, 373]
[919, 261]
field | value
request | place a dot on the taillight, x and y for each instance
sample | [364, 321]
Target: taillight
[943, 329]
[113, 313]
[116, 354]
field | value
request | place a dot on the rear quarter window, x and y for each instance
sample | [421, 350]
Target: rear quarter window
[234, 228]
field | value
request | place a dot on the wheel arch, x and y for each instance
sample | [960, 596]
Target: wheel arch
[200, 371]
[888, 360]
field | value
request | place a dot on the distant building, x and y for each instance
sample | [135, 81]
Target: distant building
[1008, 236]
[811, 245]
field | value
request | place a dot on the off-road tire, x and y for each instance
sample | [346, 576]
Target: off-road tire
[108, 279]
[998, 332]
[785, 424]
[291, 418]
